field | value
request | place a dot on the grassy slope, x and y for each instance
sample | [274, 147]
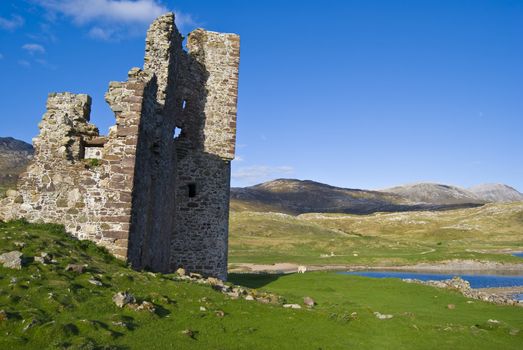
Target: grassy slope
[379, 239]
[69, 312]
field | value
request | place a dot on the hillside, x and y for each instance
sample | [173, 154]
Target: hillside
[487, 233]
[497, 193]
[297, 197]
[14, 157]
[435, 194]
[45, 305]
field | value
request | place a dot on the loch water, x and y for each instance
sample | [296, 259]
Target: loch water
[475, 280]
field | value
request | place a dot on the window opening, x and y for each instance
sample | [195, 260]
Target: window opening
[192, 190]
[176, 133]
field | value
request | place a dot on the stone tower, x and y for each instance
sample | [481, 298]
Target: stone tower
[155, 191]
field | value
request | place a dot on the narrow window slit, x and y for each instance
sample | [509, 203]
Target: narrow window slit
[192, 190]
[176, 133]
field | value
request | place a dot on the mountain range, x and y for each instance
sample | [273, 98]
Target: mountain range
[297, 196]
[305, 196]
[14, 157]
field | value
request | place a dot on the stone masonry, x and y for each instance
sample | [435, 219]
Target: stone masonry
[155, 190]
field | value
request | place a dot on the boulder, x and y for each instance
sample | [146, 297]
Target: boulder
[95, 282]
[75, 268]
[123, 298]
[308, 301]
[381, 316]
[19, 244]
[214, 281]
[12, 260]
[44, 258]
[144, 306]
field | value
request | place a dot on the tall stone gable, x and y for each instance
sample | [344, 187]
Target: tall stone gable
[155, 191]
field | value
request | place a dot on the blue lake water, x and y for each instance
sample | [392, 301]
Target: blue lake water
[476, 281]
[518, 254]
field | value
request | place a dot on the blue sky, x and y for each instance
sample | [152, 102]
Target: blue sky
[361, 94]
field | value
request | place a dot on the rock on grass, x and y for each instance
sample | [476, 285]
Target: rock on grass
[123, 298]
[12, 260]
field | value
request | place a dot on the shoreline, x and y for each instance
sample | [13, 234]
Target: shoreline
[450, 266]
[498, 295]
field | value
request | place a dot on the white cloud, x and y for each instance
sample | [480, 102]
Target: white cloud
[101, 33]
[184, 20]
[259, 173]
[85, 11]
[34, 48]
[238, 159]
[11, 24]
[24, 63]
[111, 19]
[45, 34]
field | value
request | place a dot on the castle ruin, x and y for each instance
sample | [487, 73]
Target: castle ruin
[155, 190]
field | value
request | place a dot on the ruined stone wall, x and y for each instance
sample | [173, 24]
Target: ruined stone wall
[133, 103]
[154, 195]
[158, 199]
[204, 149]
[56, 187]
[91, 199]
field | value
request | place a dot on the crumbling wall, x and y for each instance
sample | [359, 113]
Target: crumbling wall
[205, 148]
[92, 199]
[56, 187]
[156, 198]
[133, 103]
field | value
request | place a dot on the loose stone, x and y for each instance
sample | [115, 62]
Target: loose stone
[12, 260]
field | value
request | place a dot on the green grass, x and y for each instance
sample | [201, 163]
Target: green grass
[384, 239]
[67, 312]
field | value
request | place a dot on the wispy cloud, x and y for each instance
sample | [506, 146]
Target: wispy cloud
[34, 48]
[1, 56]
[45, 64]
[86, 11]
[24, 63]
[11, 24]
[45, 34]
[100, 33]
[259, 173]
[184, 21]
[112, 19]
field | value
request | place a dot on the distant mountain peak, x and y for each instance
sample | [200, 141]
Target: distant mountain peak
[435, 193]
[12, 144]
[14, 157]
[496, 192]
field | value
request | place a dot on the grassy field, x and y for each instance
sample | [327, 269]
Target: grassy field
[384, 239]
[49, 308]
